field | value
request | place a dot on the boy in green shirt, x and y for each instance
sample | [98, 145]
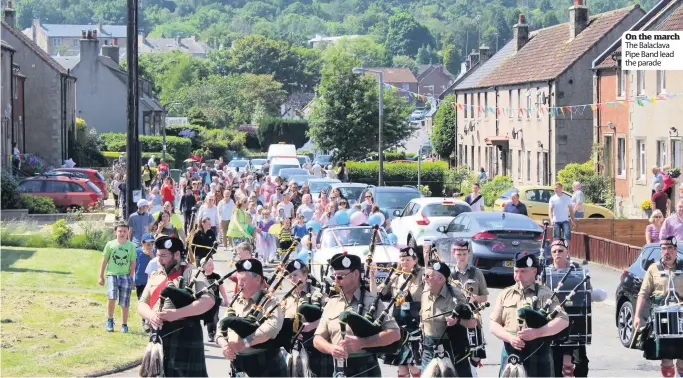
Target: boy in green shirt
[118, 261]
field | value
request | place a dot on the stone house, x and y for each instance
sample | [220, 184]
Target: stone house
[503, 119]
[63, 39]
[192, 45]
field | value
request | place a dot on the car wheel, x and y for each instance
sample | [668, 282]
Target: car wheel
[596, 216]
[625, 323]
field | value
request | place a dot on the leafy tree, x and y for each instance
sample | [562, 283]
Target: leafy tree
[451, 58]
[368, 52]
[594, 185]
[405, 35]
[345, 116]
[196, 117]
[403, 61]
[443, 133]
[425, 55]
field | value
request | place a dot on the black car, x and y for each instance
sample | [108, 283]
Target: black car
[627, 291]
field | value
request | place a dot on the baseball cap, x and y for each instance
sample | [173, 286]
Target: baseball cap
[143, 202]
[147, 237]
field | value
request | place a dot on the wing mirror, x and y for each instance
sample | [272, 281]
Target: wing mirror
[442, 229]
[398, 212]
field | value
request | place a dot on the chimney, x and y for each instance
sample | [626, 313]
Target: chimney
[10, 16]
[520, 33]
[578, 18]
[484, 53]
[89, 48]
[178, 40]
[195, 38]
[472, 59]
[141, 39]
[35, 25]
[111, 51]
[94, 33]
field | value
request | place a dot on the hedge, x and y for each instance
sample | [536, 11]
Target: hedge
[38, 205]
[194, 133]
[398, 174]
[273, 130]
[179, 148]
[113, 155]
[392, 156]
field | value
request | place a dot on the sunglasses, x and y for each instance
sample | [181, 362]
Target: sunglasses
[368, 196]
[339, 277]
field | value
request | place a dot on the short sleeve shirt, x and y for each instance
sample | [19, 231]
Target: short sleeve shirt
[443, 302]
[656, 285]
[271, 326]
[515, 297]
[478, 286]
[560, 207]
[120, 257]
[416, 285]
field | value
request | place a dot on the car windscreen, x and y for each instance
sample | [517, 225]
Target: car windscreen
[237, 163]
[394, 200]
[508, 193]
[93, 187]
[351, 193]
[275, 170]
[445, 210]
[302, 160]
[500, 222]
[258, 161]
[352, 236]
[317, 186]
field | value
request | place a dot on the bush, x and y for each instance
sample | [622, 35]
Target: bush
[113, 155]
[179, 148]
[61, 233]
[594, 186]
[192, 132]
[492, 189]
[38, 205]
[93, 237]
[424, 189]
[410, 155]
[10, 196]
[455, 179]
[273, 130]
[398, 174]
[391, 156]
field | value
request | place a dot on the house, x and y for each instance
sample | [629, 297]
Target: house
[102, 94]
[63, 39]
[433, 79]
[192, 45]
[523, 112]
[323, 41]
[292, 108]
[401, 78]
[646, 128]
[43, 126]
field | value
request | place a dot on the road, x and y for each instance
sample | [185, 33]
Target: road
[608, 358]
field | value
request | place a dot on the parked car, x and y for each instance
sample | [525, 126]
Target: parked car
[257, 165]
[390, 198]
[421, 217]
[350, 190]
[300, 179]
[286, 173]
[629, 286]
[536, 200]
[277, 164]
[418, 114]
[305, 161]
[316, 185]
[354, 240]
[323, 160]
[242, 164]
[91, 174]
[495, 239]
[67, 192]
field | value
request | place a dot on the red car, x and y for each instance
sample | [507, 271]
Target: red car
[91, 174]
[66, 192]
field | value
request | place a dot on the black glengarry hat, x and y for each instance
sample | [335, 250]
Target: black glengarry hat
[343, 261]
[441, 267]
[294, 265]
[408, 252]
[526, 260]
[250, 265]
[171, 243]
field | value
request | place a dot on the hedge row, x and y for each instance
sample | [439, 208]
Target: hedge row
[398, 174]
[179, 148]
[113, 155]
[273, 130]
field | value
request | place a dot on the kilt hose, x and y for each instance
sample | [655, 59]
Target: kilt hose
[539, 364]
[320, 364]
[460, 362]
[183, 343]
[410, 351]
[262, 363]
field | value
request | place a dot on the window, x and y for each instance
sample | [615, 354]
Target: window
[676, 153]
[539, 102]
[486, 104]
[465, 155]
[472, 105]
[478, 105]
[621, 156]
[640, 144]
[621, 83]
[31, 186]
[661, 153]
[56, 42]
[465, 106]
[608, 156]
[546, 169]
[528, 165]
[472, 155]
[510, 112]
[519, 164]
[460, 151]
[519, 104]
[75, 43]
[406, 86]
[479, 156]
[54, 186]
[539, 160]
[528, 103]
[73, 187]
[640, 76]
[661, 82]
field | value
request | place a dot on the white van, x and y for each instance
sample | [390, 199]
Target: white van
[278, 163]
[281, 150]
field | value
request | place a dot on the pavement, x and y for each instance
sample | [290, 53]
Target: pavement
[608, 358]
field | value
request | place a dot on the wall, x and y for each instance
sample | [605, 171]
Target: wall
[5, 98]
[436, 78]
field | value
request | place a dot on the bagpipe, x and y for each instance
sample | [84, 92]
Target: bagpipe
[312, 307]
[542, 257]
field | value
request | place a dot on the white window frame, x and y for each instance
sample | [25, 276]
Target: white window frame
[519, 104]
[479, 156]
[465, 108]
[675, 153]
[640, 153]
[640, 78]
[621, 156]
[528, 103]
[621, 83]
[661, 153]
[528, 166]
[76, 43]
[539, 102]
[519, 164]
[539, 167]
[661, 82]
[56, 42]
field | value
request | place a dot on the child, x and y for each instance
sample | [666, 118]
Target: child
[243, 251]
[265, 242]
[119, 262]
[285, 236]
[212, 276]
[145, 254]
[300, 226]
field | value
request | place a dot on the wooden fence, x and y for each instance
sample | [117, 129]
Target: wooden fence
[602, 251]
[625, 231]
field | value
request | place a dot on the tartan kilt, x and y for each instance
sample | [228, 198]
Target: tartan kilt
[363, 366]
[267, 363]
[183, 349]
[539, 364]
[320, 364]
[410, 351]
[460, 363]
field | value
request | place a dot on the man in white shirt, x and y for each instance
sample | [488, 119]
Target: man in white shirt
[561, 213]
[317, 170]
[330, 172]
[475, 199]
[577, 200]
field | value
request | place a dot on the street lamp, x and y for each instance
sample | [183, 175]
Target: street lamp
[359, 70]
[163, 127]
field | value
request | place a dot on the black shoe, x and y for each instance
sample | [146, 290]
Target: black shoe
[212, 338]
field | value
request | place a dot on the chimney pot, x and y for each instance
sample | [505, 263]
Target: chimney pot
[83, 34]
[94, 33]
[9, 5]
[578, 2]
[522, 19]
[520, 33]
[89, 49]
[115, 42]
[89, 35]
[10, 16]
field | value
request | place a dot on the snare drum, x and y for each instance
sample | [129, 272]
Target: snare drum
[477, 342]
[668, 322]
[578, 308]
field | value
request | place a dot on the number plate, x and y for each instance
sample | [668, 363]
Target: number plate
[509, 264]
[379, 280]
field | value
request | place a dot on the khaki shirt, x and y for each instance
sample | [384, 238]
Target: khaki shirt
[655, 285]
[158, 276]
[511, 298]
[329, 322]
[443, 302]
[415, 289]
[479, 284]
[270, 327]
[292, 303]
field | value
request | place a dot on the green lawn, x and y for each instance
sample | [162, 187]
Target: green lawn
[60, 333]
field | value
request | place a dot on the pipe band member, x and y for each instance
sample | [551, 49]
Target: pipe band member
[569, 361]
[654, 291]
[328, 337]
[247, 354]
[504, 319]
[440, 297]
[407, 315]
[181, 330]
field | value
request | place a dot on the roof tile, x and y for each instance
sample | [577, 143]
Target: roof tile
[396, 75]
[33, 47]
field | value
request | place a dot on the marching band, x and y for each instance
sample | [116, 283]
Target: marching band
[423, 319]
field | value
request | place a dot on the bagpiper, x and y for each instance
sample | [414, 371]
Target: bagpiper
[663, 287]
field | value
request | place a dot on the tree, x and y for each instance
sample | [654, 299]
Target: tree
[425, 55]
[594, 185]
[405, 35]
[451, 58]
[196, 117]
[443, 134]
[403, 61]
[345, 116]
[260, 55]
[365, 49]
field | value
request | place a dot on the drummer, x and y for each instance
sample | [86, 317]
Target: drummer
[408, 314]
[655, 288]
[569, 361]
[320, 364]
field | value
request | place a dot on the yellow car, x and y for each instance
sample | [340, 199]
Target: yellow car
[536, 200]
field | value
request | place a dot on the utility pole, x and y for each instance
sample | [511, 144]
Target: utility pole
[133, 154]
